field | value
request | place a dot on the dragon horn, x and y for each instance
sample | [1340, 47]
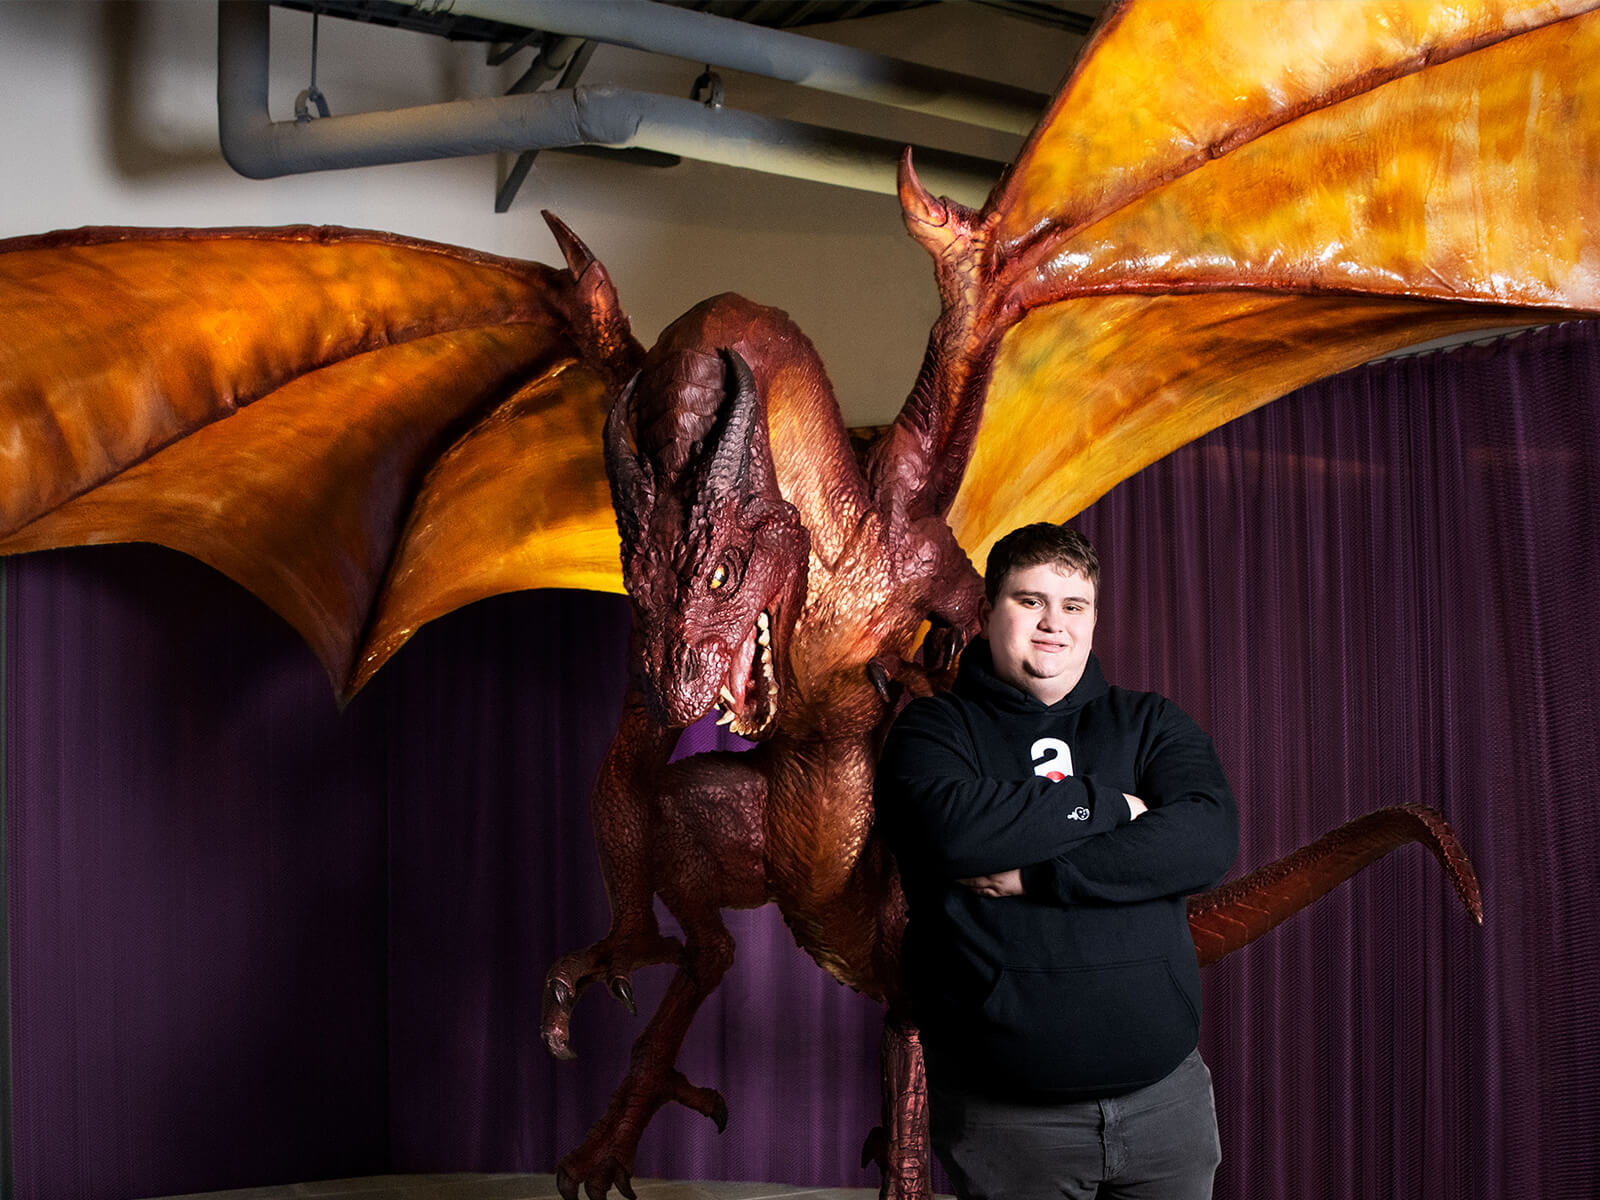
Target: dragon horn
[603, 327]
[763, 475]
[918, 206]
[632, 494]
[735, 465]
[578, 256]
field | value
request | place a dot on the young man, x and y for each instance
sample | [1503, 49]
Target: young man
[1047, 828]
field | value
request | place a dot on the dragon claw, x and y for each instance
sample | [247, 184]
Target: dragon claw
[577, 255]
[719, 1114]
[876, 1148]
[708, 1102]
[558, 994]
[622, 989]
[917, 204]
[880, 680]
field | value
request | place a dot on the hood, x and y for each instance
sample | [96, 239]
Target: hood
[976, 680]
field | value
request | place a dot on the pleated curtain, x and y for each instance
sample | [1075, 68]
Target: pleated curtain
[257, 940]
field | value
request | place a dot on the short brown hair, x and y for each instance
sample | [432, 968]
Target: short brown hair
[1041, 543]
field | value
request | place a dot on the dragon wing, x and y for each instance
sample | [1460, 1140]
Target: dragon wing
[1227, 201]
[364, 430]
[368, 431]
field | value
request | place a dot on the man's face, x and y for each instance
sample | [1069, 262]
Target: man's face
[1040, 629]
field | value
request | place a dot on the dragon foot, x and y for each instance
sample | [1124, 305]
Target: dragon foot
[875, 1150]
[605, 1160]
[602, 1175]
[613, 960]
[893, 677]
[934, 670]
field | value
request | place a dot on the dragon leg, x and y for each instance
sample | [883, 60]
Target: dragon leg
[605, 1159]
[900, 1144]
[700, 849]
[625, 820]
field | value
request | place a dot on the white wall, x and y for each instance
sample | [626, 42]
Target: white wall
[109, 117]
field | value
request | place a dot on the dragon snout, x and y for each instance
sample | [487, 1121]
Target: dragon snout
[682, 681]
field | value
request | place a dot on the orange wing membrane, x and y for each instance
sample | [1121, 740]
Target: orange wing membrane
[358, 428]
[1226, 202]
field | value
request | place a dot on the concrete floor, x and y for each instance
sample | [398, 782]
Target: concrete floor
[516, 1187]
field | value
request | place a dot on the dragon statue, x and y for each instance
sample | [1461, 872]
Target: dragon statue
[367, 431]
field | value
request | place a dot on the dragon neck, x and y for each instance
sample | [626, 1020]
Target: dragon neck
[816, 465]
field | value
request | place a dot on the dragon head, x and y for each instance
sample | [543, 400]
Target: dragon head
[714, 558]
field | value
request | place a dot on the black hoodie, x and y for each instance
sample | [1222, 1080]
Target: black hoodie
[1086, 985]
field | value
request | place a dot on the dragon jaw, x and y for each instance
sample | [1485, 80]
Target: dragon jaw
[748, 700]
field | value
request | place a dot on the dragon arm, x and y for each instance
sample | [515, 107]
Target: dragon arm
[916, 466]
[349, 424]
[1237, 913]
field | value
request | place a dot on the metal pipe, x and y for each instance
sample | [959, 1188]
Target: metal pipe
[776, 54]
[256, 146]
[552, 60]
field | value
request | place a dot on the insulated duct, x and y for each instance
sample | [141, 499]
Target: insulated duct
[617, 118]
[774, 54]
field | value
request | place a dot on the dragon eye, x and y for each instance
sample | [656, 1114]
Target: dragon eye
[726, 573]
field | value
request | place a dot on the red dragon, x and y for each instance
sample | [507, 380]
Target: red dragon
[369, 431]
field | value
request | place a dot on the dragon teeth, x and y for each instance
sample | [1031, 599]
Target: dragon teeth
[726, 718]
[762, 620]
[727, 698]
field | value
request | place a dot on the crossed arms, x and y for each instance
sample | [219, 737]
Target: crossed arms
[1072, 841]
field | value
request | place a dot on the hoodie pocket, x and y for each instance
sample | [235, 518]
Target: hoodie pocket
[1106, 1028]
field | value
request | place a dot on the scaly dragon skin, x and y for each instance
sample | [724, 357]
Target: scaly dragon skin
[767, 593]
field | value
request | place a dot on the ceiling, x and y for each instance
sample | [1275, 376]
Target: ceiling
[439, 18]
[552, 107]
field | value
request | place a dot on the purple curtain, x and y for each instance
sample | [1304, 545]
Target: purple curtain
[1382, 590]
[197, 901]
[256, 940]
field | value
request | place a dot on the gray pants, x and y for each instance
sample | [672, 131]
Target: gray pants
[1158, 1143]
